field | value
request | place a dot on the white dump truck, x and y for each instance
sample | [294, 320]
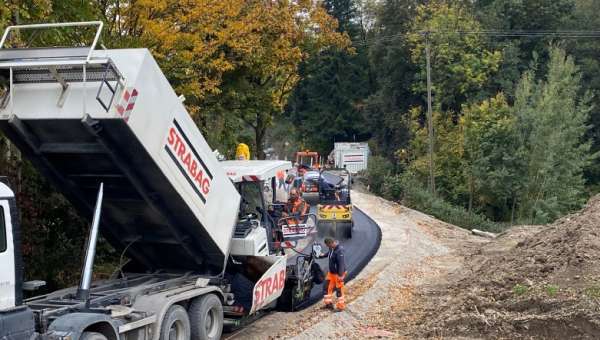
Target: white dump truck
[108, 131]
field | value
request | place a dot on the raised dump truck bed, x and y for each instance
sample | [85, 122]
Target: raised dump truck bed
[109, 121]
[112, 117]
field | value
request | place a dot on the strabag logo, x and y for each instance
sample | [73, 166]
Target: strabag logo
[189, 163]
[271, 284]
[268, 288]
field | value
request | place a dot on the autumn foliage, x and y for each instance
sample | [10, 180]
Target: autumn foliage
[236, 62]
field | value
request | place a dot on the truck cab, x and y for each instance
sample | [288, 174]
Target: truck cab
[307, 160]
[8, 297]
[256, 183]
[16, 321]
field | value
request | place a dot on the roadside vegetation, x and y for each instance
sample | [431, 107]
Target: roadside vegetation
[515, 139]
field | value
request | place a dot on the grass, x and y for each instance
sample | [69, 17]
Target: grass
[593, 292]
[551, 290]
[520, 289]
[413, 195]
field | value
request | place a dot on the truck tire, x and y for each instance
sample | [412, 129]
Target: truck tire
[176, 324]
[206, 313]
[92, 336]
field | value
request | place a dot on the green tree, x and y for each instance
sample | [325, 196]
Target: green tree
[386, 110]
[461, 64]
[326, 105]
[552, 119]
[448, 155]
[519, 52]
[586, 53]
[493, 167]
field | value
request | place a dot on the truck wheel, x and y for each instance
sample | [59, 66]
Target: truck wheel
[206, 313]
[175, 325]
[92, 336]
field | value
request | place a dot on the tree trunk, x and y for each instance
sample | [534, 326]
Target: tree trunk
[471, 194]
[512, 210]
[483, 233]
[259, 134]
[260, 131]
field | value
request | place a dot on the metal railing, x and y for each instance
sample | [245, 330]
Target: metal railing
[100, 25]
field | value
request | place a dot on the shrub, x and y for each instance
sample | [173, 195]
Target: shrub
[414, 195]
[551, 290]
[393, 188]
[377, 170]
[593, 292]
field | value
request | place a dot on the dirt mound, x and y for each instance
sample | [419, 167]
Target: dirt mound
[530, 282]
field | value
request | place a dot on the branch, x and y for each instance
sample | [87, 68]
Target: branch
[249, 122]
[283, 92]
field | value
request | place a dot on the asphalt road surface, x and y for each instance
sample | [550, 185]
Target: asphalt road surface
[366, 238]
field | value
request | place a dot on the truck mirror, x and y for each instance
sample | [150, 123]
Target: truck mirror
[30, 286]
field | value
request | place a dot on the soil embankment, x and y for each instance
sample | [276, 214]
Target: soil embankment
[538, 282]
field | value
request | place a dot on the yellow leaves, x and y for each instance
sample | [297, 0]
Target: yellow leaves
[212, 38]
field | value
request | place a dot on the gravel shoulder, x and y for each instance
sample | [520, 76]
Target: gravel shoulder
[416, 250]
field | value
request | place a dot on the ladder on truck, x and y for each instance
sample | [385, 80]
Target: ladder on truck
[62, 65]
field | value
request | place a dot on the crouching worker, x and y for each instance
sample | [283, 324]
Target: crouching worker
[334, 281]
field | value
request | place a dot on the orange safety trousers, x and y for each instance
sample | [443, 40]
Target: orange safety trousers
[334, 282]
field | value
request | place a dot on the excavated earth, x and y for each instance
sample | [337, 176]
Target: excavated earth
[532, 282]
[433, 280]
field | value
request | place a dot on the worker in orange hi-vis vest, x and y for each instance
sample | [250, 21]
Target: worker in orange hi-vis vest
[296, 208]
[242, 152]
[281, 179]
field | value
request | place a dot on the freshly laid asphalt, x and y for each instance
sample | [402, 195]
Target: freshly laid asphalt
[365, 241]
